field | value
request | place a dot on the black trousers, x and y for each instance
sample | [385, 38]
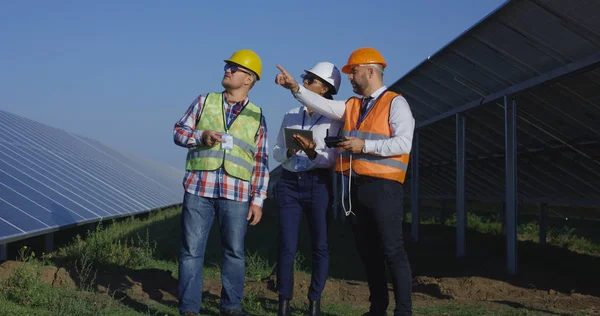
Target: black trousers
[378, 205]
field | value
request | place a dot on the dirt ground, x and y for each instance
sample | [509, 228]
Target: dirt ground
[550, 279]
[160, 286]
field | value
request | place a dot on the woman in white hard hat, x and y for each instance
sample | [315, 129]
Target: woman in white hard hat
[305, 187]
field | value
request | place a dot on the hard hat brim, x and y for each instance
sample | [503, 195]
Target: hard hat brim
[347, 68]
[242, 66]
[322, 80]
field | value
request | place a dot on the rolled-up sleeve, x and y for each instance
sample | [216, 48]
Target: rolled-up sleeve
[185, 133]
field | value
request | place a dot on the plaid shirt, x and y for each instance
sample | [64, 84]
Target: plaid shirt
[217, 184]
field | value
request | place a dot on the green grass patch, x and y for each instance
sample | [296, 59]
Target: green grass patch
[123, 244]
[561, 236]
[153, 243]
[455, 309]
[24, 293]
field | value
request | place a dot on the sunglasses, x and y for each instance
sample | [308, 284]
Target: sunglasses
[308, 78]
[233, 68]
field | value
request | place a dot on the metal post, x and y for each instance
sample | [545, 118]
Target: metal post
[414, 187]
[503, 218]
[49, 242]
[510, 129]
[443, 211]
[543, 222]
[461, 215]
[3, 252]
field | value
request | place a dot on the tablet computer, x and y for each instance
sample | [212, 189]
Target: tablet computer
[288, 137]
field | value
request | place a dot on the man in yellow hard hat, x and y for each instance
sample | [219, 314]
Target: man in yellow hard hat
[226, 177]
[377, 139]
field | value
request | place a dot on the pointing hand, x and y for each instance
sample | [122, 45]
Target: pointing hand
[286, 80]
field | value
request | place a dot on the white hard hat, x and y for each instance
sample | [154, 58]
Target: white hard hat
[328, 72]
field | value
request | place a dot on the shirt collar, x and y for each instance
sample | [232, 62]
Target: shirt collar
[377, 92]
[304, 110]
[243, 101]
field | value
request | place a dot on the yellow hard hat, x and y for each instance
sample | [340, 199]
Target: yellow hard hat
[247, 59]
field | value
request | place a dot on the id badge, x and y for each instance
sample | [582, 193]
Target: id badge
[227, 142]
[301, 163]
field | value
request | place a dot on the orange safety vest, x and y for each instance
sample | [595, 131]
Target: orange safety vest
[375, 126]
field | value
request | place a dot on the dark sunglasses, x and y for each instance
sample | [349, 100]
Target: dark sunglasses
[234, 68]
[309, 78]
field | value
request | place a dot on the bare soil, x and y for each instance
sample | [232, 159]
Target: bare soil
[158, 285]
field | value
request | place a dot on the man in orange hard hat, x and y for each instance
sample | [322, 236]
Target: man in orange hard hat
[377, 139]
[226, 177]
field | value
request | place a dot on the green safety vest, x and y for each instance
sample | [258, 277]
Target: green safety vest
[238, 162]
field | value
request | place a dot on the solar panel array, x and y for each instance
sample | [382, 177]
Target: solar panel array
[51, 179]
[545, 54]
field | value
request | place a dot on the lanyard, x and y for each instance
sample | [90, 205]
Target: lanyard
[230, 117]
[362, 118]
[313, 124]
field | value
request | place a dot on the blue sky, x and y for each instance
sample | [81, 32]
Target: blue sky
[123, 72]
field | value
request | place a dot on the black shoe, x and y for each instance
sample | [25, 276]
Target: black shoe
[314, 307]
[284, 308]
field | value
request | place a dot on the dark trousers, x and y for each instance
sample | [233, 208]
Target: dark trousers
[378, 205]
[308, 193]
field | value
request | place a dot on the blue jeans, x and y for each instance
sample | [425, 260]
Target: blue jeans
[196, 221]
[308, 193]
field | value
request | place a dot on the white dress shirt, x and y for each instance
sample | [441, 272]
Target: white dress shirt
[318, 124]
[402, 123]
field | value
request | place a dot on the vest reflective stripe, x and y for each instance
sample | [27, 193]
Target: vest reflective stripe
[375, 126]
[219, 155]
[239, 162]
[244, 146]
[376, 160]
[366, 135]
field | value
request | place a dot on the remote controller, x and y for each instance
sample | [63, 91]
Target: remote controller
[333, 141]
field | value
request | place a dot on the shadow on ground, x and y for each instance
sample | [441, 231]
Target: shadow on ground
[541, 267]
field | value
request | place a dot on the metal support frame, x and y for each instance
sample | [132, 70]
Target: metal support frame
[414, 188]
[568, 69]
[3, 252]
[49, 242]
[543, 222]
[510, 128]
[461, 214]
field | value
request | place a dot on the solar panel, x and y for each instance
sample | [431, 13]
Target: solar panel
[558, 138]
[50, 179]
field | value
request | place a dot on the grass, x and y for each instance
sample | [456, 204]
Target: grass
[24, 293]
[558, 235]
[152, 243]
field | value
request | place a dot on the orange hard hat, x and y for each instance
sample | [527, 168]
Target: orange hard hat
[363, 55]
